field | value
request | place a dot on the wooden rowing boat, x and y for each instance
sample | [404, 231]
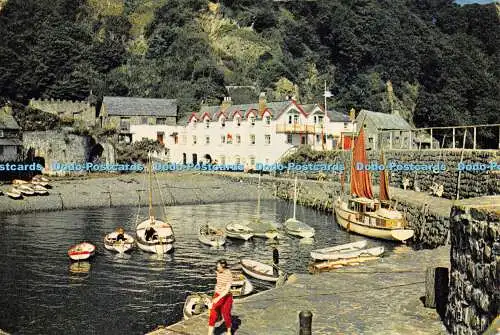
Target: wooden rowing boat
[121, 246]
[26, 190]
[19, 182]
[39, 189]
[239, 231]
[332, 265]
[81, 251]
[260, 270]
[14, 193]
[347, 254]
[195, 304]
[210, 236]
[344, 247]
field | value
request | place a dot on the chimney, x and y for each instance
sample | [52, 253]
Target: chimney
[226, 103]
[262, 103]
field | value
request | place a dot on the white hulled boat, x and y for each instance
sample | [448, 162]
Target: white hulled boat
[261, 228]
[295, 227]
[111, 241]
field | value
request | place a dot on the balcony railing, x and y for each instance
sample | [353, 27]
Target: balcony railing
[300, 128]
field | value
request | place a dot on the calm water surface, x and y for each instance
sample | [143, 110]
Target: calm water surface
[42, 292]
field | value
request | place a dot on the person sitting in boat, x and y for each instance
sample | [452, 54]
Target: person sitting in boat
[120, 234]
[151, 234]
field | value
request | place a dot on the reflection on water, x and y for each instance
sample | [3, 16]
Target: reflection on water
[41, 292]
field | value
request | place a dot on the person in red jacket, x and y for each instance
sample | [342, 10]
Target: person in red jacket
[223, 299]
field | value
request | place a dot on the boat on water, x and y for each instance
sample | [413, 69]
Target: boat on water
[124, 244]
[361, 213]
[239, 231]
[25, 189]
[260, 270]
[195, 304]
[296, 227]
[154, 235]
[211, 236]
[343, 247]
[346, 254]
[241, 285]
[261, 228]
[81, 251]
[14, 193]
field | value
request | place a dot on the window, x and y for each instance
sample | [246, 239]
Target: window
[370, 139]
[238, 121]
[345, 125]
[207, 123]
[267, 139]
[207, 139]
[267, 160]
[176, 139]
[302, 140]
[161, 120]
[194, 123]
[252, 139]
[223, 139]
[238, 139]
[295, 119]
[159, 137]
[194, 139]
[289, 138]
[1, 133]
[223, 122]
[320, 119]
[144, 120]
[268, 120]
[252, 160]
[223, 159]
[252, 120]
[237, 160]
[317, 138]
[290, 118]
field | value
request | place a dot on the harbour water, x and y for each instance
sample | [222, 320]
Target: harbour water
[42, 292]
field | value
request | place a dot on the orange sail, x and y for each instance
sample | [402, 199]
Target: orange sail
[361, 184]
[384, 182]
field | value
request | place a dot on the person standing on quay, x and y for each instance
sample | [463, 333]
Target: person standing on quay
[223, 299]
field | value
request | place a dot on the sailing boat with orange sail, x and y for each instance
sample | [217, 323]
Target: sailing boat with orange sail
[362, 213]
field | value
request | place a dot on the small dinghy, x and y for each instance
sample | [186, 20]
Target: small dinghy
[264, 229]
[39, 178]
[26, 190]
[239, 231]
[335, 255]
[240, 286]
[119, 241]
[19, 182]
[344, 247]
[211, 236]
[81, 251]
[14, 193]
[260, 270]
[39, 189]
[195, 304]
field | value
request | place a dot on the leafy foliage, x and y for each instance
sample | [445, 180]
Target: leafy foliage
[137, 151]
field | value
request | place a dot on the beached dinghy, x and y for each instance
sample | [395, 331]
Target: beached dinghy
[241, 285]
[81, 251]
[26, 190]
[334, 255]
[211, 236]
[195, 304]
[20, 182]
[260, 270]
[295, 227]
[238, 231]
[39, 189]
[122, 244]
[344, 247]
[14, 193]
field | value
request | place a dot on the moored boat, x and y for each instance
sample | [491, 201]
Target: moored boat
[119, 241]
[81, 251]
[296, 227]
[20, 182]
[346, 254]
[260, 270]
[261, 228]
[211, 236]
[361, 213]
[344, 247]
[39, 189]
[241, 288]
[195, 304]
[239, 231]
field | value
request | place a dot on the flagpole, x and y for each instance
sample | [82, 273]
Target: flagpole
[323, 125]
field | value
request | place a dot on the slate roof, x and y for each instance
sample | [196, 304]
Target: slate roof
[7, 121]
[126, 106]
[383, 121]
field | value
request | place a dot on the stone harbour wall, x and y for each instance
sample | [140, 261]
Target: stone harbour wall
[474, 298]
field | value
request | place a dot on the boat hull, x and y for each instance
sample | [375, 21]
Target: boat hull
[239, 232]
[165, 236]
[345, 220]
[195, 304]
[155, 248]
[213, 242]
[258, 270]
[377, 251]
[81, 251]
[299, 229]
[111, 244]
[348, 246]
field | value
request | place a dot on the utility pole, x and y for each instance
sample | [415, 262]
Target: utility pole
[327, 94]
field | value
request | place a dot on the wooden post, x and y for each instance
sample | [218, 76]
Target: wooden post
[453, 138]
[432, 138]
[461, 161]
[436, 288]
[305, 321]
[474, 145]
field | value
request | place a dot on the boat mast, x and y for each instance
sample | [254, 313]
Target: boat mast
[150, 186]
[295, 198]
